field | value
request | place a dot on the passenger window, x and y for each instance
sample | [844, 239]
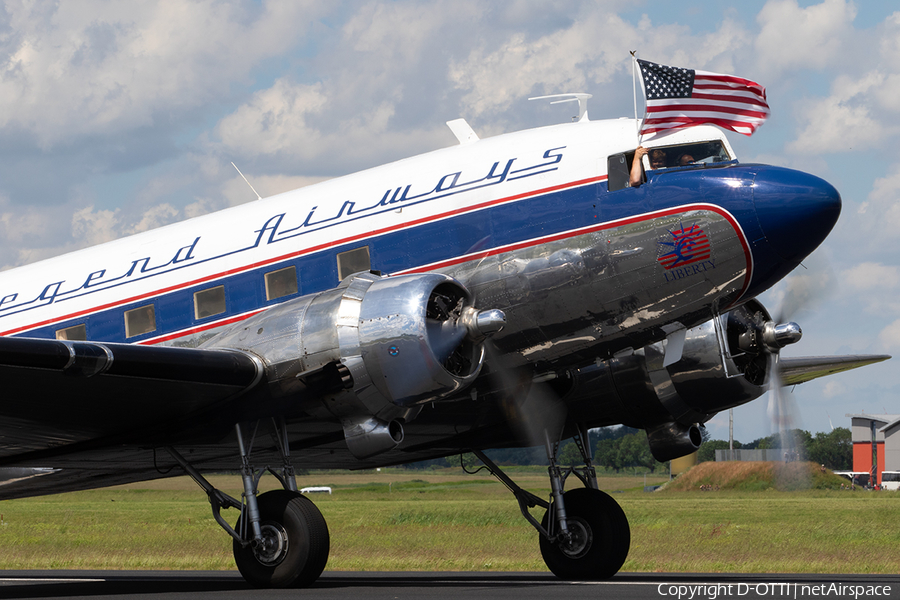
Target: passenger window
[140, 320]
[353, 261]
[281, 283]
[617, 167]
[209, 302]
[76, 333]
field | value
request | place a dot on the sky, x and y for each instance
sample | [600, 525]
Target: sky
[119, 117]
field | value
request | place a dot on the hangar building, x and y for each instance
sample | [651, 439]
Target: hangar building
[878, 436]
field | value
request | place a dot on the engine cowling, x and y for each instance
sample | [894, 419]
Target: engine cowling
[715, 372]
[393, 344]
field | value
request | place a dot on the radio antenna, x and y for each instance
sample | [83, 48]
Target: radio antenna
[258, 197]
[569, 97]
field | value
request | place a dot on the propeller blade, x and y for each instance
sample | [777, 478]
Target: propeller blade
[444, 336]
[531, 407]
[802, 290]
[783, 415]
[778, 412]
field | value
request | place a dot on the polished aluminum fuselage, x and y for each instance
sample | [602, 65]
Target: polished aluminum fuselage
[603, 290]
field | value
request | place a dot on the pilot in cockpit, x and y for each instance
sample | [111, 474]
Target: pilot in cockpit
[685, 160]
[657, 161]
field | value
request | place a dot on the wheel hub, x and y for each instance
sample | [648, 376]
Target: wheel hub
[579, 540]
[273, 546]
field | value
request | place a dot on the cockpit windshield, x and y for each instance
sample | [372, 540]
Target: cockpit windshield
[667, 157]
[688, 154]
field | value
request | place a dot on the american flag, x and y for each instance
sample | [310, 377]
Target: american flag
[679, 98]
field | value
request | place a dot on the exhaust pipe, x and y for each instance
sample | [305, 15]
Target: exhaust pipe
[673, 440]
[368, 436]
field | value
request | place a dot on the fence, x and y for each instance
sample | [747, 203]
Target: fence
[766, 455]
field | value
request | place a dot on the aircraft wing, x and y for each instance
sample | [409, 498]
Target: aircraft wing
[59, 396]
[806, 368]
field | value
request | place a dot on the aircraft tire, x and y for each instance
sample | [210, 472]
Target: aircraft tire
[601, 538]
[297, 543]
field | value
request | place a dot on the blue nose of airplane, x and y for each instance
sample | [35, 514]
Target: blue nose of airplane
[796, 210]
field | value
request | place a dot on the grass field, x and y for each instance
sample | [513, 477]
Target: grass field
[401, 520]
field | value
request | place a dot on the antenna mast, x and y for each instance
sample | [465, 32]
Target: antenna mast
[571, 97]
[258, 197]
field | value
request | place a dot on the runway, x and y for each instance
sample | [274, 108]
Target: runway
[181, 585]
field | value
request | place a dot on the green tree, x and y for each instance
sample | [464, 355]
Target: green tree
[833, 449]
[569, 454]
[607, 454]
[469, 460]
[629, 451]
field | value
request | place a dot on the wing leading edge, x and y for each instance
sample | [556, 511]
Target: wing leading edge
[806, 368]
[57, 394]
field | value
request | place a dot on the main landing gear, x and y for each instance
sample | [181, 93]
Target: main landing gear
[584, 534]
[280, 539]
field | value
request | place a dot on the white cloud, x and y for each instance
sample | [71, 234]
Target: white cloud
[275, 120]
[90, 227]
[844, 120]
[869, 276]
[889, 44]
[90, 67]
[282, 126]
[834, 388]
[155, 216]
[791, 37]
[873, 227]
[503, 70]
[889, 338]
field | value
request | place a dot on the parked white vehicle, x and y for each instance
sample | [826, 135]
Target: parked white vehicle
[890, 480]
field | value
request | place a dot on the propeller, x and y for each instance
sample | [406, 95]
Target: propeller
[451, 322]
[761, 342]
[529, 403]
[764, 337]
[760, 339]
[801, 291]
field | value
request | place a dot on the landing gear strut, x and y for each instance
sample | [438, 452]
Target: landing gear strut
[584, 534]
[280, 539]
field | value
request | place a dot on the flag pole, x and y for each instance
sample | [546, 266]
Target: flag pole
[637, 126]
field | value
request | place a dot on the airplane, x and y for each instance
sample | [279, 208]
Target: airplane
[509, 291]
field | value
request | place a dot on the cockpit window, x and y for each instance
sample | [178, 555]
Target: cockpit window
[665, 157]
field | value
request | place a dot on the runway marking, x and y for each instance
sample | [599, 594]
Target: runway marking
[47, 580]
[547, 582]
[618, 583]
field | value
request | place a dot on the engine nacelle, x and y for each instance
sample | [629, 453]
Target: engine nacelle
[392, 344]
[714, 373]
